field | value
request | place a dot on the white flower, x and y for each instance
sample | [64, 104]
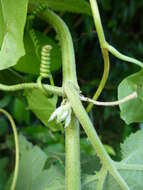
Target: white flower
[62, 114]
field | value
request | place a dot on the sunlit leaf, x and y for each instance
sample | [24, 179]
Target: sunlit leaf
[132, 111]
[12, 22]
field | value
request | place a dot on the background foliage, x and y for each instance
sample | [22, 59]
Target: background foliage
[123, 28]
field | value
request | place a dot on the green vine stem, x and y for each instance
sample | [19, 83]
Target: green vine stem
[105, 47]
[68, 58]
[15, 175]
[49, 88]
[102, 176]
[69, 74]
[119, 55]
[103, 80]
[72, 150]
[102, 41]
[81, 114]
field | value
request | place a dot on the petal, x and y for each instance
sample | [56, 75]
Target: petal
[68, 120]
[58, 111]
[62, 117]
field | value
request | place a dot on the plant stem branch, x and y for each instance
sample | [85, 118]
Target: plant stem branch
[68, 57]
[49, 88]
[114, 103]
[102, 176]
[81, 114]
[105, 54]
[103, 80]
[97, 21]
[72, 149]
[73, 178]
[121, 56]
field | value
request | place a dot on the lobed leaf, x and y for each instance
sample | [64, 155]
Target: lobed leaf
[130, 168]
[32, 175]
[32, 161]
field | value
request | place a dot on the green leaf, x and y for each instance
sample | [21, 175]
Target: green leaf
[130, 168]
[2, 31]
[51, 179]
[89, 164]
[30, 62]
[132, 153]
[80, 6]
[43, 106]
[32, 175]
[12, 19]
[89, 182]
[133, 145]
[32, 161]
[132, 111]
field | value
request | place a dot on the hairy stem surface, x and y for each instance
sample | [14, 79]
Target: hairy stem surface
[72, 180]
[72, 156]
[81, 114]
[68, 58]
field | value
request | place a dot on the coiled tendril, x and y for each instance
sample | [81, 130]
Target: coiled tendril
[45, 67]
[45, 71]
[38, 10]
[32, 33]
[35, 42]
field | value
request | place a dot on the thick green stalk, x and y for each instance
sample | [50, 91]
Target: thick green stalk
[72, 179]
[68, 58]
[72, 150]
[81, 114]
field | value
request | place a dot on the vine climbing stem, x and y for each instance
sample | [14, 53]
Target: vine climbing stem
[71, 89]
[72, 169]
[105, 54]
[72, 150]
[81, 114]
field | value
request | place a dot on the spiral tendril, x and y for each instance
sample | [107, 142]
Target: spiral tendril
[45, 71]
[35, 42]
[38, 10]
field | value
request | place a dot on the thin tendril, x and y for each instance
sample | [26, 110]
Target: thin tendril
[114, 103]
[16, 168]
[123, 57]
